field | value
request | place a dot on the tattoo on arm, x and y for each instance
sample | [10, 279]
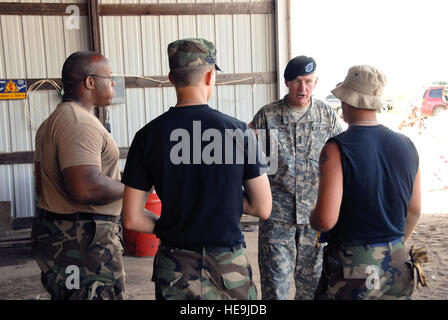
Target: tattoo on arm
[322, 159]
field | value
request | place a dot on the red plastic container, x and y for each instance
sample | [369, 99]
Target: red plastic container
[143, 244]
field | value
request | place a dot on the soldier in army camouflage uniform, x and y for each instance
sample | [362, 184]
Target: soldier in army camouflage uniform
[301, 124]
[202, 252]
[369, 199]
[75, 232]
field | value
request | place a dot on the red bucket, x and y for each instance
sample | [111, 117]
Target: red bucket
[143, 244]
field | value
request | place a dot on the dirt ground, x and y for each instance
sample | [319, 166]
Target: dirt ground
[20, 275]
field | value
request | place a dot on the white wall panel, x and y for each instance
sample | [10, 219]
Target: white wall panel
[22, 137]
[187, 24]
[39, 110]
[54, 98]
[242, 43]
[18, 190]
[169, 98]
[24, 190]
[19, 51]
[54, 46]
[262, 26]
[154, 105]
[205, 25]
[244, 103]
[6, 184]
[224, 43]
[22, 174]
[118, 123]
[5, 130]
[168, 33]
[34, 47]
[20, 133]
[213, 102]
[262, 94]
[37, 56]
[226, 99]
[5, 138]
[205, 28]
[75, 39]
[136, 118]
[151, 46]
[152, 64]
[243, 64]
[6, 177]
[133, 66]
[224, 33]
[14, 52]
[112, 44]
[132, 46]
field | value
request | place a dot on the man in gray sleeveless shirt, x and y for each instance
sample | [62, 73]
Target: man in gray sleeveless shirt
[369, 199]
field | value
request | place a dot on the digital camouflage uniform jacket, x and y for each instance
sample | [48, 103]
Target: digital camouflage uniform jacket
[295, 183]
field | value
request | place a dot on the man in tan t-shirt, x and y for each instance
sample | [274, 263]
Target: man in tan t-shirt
[75, 231]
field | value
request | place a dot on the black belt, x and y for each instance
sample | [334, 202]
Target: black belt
[361, 244]
[43, 214]
[201, 249]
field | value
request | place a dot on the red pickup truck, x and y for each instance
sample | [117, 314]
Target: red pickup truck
[434, 101]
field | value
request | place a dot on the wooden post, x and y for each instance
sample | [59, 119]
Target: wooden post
[94, 24]
[283, 27]
[95, 45]
[5, 215]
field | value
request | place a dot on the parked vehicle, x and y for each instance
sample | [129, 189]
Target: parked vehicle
[434, 101]
[335, 103]
[389, 105]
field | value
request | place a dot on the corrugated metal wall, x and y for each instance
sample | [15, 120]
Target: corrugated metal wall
[36, 47]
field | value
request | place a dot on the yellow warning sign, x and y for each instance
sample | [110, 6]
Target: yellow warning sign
[12, 89]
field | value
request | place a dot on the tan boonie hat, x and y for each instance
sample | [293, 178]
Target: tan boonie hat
[362, 88]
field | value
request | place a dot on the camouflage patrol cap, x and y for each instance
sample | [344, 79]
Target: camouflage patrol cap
[193, 52]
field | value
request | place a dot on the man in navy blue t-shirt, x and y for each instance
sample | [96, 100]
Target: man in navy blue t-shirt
[198, 159]
[368, 200]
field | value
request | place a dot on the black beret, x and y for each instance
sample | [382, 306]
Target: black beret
[299, 66]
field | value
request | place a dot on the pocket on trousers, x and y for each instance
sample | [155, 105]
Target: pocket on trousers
[102, 233]
[331, 267]
[162, 273]
[40, 233]
[46, 239]
[166, 276]
[101, 247]
[86, 233]
[234, 280]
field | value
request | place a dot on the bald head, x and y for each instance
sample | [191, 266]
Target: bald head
[77, 67]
